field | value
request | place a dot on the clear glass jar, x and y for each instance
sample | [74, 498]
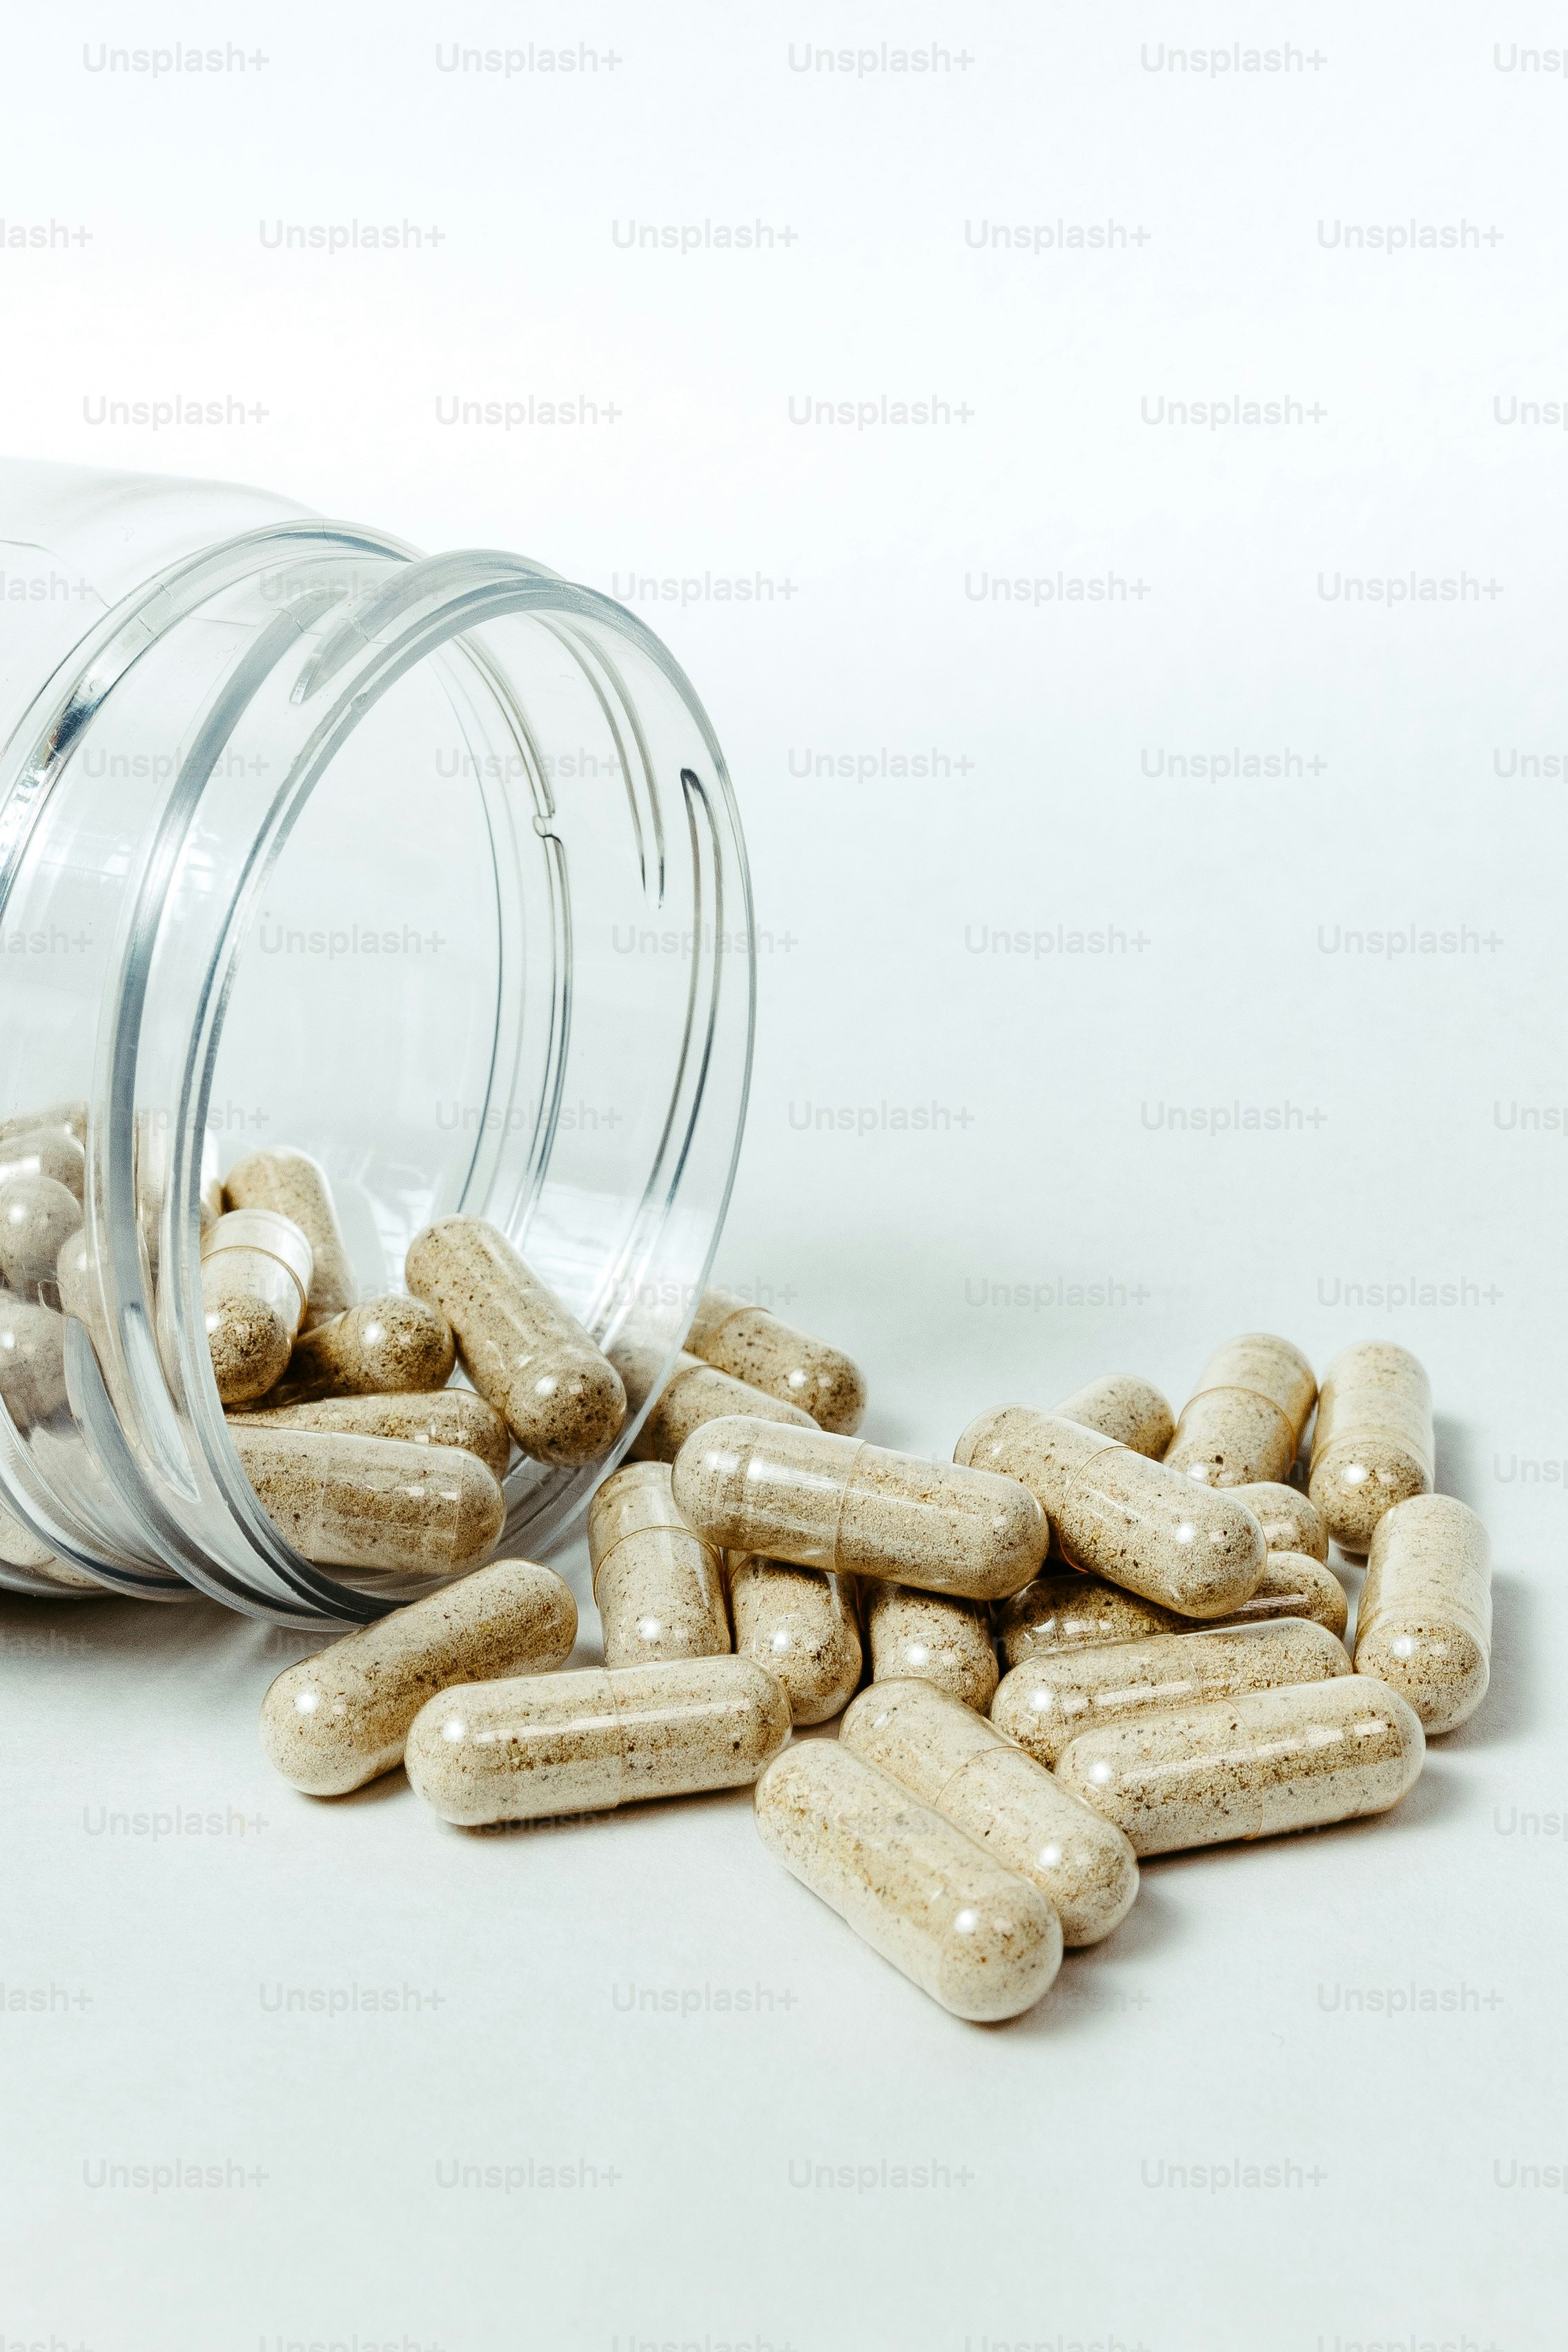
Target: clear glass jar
[428, 865]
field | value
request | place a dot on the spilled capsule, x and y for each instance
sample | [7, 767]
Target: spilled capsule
[758, 1347]
[338, 1720]
[1373, 1442]
[933, 1637]
[998, 1795]
[1243, 1422]
[838, 1503]
[980, 1939]
[1424, 1622]
[1045, 1702]
[1249, 1767]
[533, 1749]
[804, 1625]
[658, 1588]
[1121, 1516]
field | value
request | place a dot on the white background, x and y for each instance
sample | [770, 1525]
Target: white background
[1214, 2029]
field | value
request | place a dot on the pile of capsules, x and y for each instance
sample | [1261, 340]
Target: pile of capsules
[1176, 1674]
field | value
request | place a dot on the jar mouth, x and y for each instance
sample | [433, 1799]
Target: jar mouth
[285, 691]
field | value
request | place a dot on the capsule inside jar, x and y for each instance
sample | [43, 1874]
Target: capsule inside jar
[561, 1400]
[345, 1501]
[256, 1279]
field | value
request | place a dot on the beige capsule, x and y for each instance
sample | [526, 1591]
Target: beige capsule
[1372, 1444]
[51, 1151]
[368, 1502]
[1290, 1520]
[956, 1760]
[256, 1279]
[1424, 1622]
[394, 1346]
[659, 1588]
[81, 1290]
[838, 1503]
[1135, 1522]
[338, 1720]
[695, 1392]
[1241, 1425]
[32, 1361]
[529, 1750]
[296, 1186]
[1249, 1767]
[152, 1159]
[444, 1417]
[1065, 1610]
[1123, 1407]
[934, 1638]
[561, 1400]
[71, 1116]
[22, 1548]
[1046, 1703]
[978, 1938]
[1294, 1584]
[752, 1344]
[803, 1624]
[37, 1217]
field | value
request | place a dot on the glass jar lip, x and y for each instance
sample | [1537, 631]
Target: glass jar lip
[398, 617]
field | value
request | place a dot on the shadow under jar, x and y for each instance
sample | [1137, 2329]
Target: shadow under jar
[427, 866]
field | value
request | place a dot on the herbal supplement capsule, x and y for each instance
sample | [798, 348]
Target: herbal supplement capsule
[1288, 1519]
[1425, 1623]
[953, 1759]
[1133, 1522]
[694, 1393]
[980, 1939]
[369, 1501]
[338, 1720]
[659, 1587]
[1372, 1444]
[1249, 1767]
[753, 1345]
[838, 1502]
[256, 1277]
[294, 1184]
[584, 1743]
[387, 1347]
[51, 1151]
[37, 1217]
[1243, 1422]
[32, 1361]
[561, 1400]
[443, 1417]
[1047, 1702]
[22, 1548]
[1065, 1610]
[934, 1638]
[152, 1158]
[802, 1623]
[72, 1116]
[1293, 1584]
[1123, 1407]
